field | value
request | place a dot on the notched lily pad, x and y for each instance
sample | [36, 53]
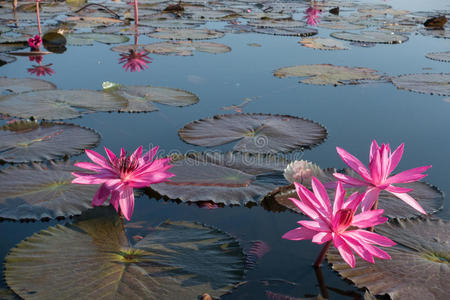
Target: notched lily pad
[420, 264]
[294, 31]
[177, 260]
[42, 191]
[58, 104]
[230, 179]
[186, 48]
[20, 85]
[323, 44]
[186, 34]
[6, 59]
[27, 141]
[440, 56]
[371, 37]
[256, 133]
[87, 39]
[426, 83]
[323, 74]
[142, 98]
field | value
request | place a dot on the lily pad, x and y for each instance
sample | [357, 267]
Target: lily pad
[230, 179]
[438, 33]
[256, 133]
[171, 23]
[177, 260]
[27, 141]
[429, 197]
[440, 56]
[142, 98]
[186, 48]
[6, 59]
[186, 34]
[371, 37]
[20, 85]
[323, 74]
[341, 25]
[87, 39]
[276, 23]
[323, 44]
[58, 104]
[426, 83]
[294, 31]
[419, 268]
[42, 191]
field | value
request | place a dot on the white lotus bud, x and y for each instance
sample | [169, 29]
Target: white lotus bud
[301, 171]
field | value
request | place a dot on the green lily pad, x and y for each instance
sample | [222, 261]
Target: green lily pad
[323, 74]
[42, 191]
[58, 104]
[230, 179]
[440, 56]
[177, 260]
[20, 85]
[142, 98]
[171, 23]
[419, 268]
[27, 141]
[186, 34]
[371, 37]
[256, 133]
[186, 48]
[426, 83]
[294, 31]
[323, 44]
[88, 39]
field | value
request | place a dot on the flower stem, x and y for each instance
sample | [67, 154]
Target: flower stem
[136, 13]
[375, 206]
[38, 19]
[322, 254]
[321, 282]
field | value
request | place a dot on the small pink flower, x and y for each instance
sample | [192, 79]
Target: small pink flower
[119, 175]
[39, 70]
[35, 42]
[312, 16]
[134, 61]
[381, 164]
[339, 224]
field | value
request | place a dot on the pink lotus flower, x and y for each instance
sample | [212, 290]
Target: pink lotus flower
[134, 61]
[312, 16]
[381, 165]
[119, 175]
[35, 42]
[41, 70]
[339, 224]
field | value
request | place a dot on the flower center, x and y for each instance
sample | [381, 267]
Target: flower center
[344, 219]
[125, 165]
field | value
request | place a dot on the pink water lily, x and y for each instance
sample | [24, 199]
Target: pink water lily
[119, 175]
[312, 15]
[35, 42]
[338, 224]
[382, 163]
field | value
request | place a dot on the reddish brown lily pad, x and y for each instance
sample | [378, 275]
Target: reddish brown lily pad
[420, 264]
[186, 34]
[186, 48]
[256, 133]
[426, 83]
[20, 85]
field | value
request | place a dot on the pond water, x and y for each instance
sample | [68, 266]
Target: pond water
[353, 115]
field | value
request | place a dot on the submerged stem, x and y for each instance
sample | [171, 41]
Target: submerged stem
[321, 282]
[322, 254]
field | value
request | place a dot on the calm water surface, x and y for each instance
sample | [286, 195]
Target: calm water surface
[353, 116]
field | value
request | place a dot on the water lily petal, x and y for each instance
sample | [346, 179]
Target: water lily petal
[111, 156]
[397, 189]
[322, 237]
[137, 153]
[315, 225]
[410, 201]
[374, 148]
[396, 157]
[89, 166]
[338, 198]
[101, 195]
[115, 196]
[344, 250]
[410, 175]
[348, 180]
[126, 203]
[371, 237]
[370, 196]
[321, 195]
[354, 163]
[358, 248]
[369, 218]
[307, 210]
[353, 201]
[148, 157]
[298, 234]
[97, 158]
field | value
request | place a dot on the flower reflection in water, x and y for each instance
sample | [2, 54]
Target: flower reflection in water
[312, 15]
[41, 70]
[135, 60]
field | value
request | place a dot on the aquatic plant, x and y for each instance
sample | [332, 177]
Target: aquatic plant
[41, 70]
[134, 61]
[312, 15]
[35, 42]
[382, 163]
[339, 224]
[119, 175]
[301, 171]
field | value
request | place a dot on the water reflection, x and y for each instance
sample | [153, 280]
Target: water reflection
[313, 14]
[136, 59]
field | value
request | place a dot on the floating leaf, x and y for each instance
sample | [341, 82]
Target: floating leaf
[26, 141]
[439, 33]
[6, 59]
[277, 23]
[400, 27]
[186, 48]
[323, 44]
[171, 23]
[429, 197]
[87, 39]
[328, 74]
[294, 31]
[186, 34]
[257, 133]
[20, 85]
[341, 25]
[58, 104]
[371, 37]
[440, 56]
[177, 260]
[142, 98]
[42, 191]
[419, 268]
[427, 83]
[231, 179]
